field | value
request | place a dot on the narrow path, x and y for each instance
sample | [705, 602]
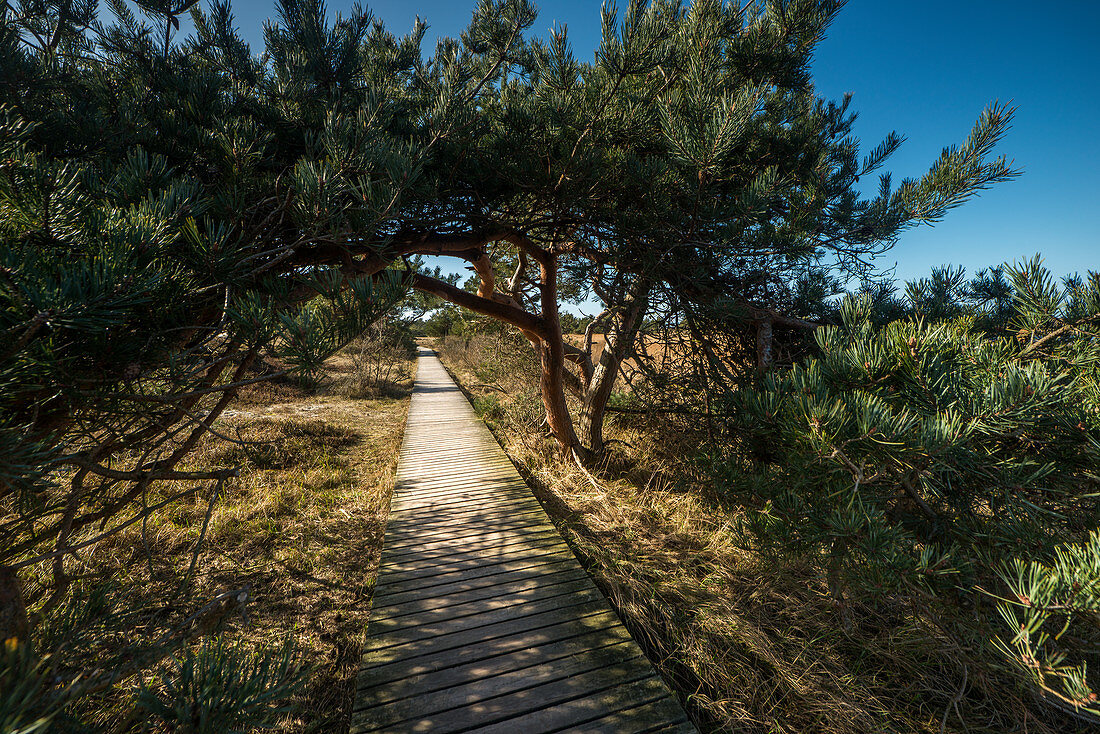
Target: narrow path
[483, 620]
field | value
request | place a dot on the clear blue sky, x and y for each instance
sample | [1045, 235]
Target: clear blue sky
[925, 69]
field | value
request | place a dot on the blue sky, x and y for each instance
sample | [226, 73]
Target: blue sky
[925, 69]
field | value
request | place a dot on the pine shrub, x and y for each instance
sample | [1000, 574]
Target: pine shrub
[929, 467]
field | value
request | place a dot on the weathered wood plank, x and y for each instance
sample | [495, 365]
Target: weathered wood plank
[468, 528]
[525, 703]
[503, 551]
[443, 704]
[490, 538]
[430, 656]
[514, 593]
[482, 618]
[563, 594]
[415, 685]
[462, 504]
[497, 571]
[635, 706]
[461, 592]
[443, 573]
[537, 613]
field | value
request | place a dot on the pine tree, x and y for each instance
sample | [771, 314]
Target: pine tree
[152, 198]
[638, 178]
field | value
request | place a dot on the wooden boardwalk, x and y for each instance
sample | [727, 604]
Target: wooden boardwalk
[483, 620]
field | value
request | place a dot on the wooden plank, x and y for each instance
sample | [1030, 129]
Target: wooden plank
[459, 592]
[620, 708]
[449, 487]
[482, 617]
[413, 561]
[462, 507]
[499, 571]
[432, 514]
[443, 704]
[490, 538]
[415, 685]
[462, 503]
[433, 613]
[431, 521]
[468, 534]
[458, 498]
[520, 704]
[470, 569]
[535, 611]
[492, 597]
[467, 527]
[496, 492]
[433, 655]
[564, 594]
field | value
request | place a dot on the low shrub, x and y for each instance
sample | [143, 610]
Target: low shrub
[380, 361]
[932, 470]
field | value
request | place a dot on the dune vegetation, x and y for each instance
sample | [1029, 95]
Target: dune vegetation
[822, 500]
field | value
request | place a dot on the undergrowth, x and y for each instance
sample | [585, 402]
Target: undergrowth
[272, 577]
[751, 643]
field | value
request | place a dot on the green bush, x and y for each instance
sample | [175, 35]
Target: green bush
[488, 407]
[223, 688]
[1051, 618]
[922, 463]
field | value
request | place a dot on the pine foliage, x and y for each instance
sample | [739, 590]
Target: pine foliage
[154, 195]
[932, 465]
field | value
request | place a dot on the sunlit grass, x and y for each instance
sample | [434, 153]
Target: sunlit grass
[300, 529]
[751, 643]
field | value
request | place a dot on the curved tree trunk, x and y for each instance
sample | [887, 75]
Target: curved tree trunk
[619, 341]
[551, 350]
[552, 389]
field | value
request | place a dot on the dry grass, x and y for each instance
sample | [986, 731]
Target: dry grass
[752, 644]
[300, 531]
[664, 352]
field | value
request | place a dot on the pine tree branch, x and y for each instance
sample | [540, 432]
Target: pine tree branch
[502, 311]
[1062, 330]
